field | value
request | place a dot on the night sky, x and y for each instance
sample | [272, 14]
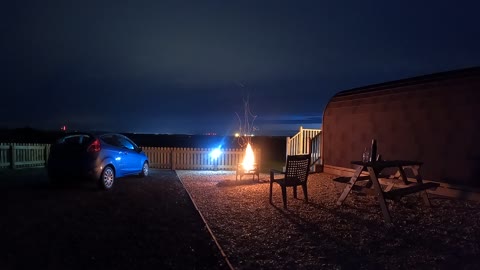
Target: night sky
[185, 67]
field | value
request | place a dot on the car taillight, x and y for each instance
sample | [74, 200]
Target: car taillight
[94, 146]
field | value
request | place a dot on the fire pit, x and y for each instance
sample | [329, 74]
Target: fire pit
[241, 171]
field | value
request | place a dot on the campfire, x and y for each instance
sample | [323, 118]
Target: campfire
[248, 166]
[249, 159]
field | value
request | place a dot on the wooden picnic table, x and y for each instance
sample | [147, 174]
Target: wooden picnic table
[374, 169]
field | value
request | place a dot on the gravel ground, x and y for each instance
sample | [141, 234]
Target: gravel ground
[257, 235]
[143, 223]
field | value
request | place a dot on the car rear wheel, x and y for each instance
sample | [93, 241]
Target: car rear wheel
[107, 178]
[145, 170]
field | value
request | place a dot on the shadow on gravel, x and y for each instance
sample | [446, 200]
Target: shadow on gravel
[142, 223]
[37, 179]
[232, 183]
[340, 252]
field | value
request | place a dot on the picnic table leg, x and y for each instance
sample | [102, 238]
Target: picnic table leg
[401, 171]
[379, 193]
[389, 186]
[350, 185]
[418, 177]
[396, 175]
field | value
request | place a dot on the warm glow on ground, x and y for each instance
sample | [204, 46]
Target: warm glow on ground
[249, 159]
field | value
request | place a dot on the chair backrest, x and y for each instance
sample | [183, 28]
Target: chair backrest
[297, 168]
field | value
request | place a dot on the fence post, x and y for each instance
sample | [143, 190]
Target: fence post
[174, 157]
[288, 148]
[215, 163]
[13, 156]
[300, 140]
[45, 153]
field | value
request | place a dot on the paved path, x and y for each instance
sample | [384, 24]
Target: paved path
[143, 223]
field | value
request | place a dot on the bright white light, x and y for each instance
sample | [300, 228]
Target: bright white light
[237, 135]
[216, 153]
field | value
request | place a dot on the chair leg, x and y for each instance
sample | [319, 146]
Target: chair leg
[271, 184]
[284, 196]
[305, 193]
[295, 192]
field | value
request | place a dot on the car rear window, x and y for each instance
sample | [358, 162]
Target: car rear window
[110, 139]
[75, 139]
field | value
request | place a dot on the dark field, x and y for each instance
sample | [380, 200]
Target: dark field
[146, 223]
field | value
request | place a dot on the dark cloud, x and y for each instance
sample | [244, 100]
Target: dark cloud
[171, 66]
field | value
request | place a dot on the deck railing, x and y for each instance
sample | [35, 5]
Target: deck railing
[306, 141]
[15, 155]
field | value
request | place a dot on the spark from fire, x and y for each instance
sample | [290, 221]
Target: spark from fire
[248, 159]
[246, 126]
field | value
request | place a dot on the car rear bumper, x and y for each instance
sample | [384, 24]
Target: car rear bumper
[86, 172]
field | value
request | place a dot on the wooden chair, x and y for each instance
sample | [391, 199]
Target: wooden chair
[296, 174]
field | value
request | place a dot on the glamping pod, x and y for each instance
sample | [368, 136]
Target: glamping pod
[434, 119]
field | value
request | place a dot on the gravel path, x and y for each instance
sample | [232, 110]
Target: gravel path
[143, 223]
[320, 234]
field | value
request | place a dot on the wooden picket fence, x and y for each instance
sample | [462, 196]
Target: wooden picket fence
[17, 155]
[195, 158]
[23, 155]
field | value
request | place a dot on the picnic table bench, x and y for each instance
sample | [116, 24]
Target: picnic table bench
[374, 169]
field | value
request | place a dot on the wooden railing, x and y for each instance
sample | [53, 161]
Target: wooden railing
[306, 141]
[23, 155]
[17, 156]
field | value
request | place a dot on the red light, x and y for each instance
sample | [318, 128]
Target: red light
[94, 147]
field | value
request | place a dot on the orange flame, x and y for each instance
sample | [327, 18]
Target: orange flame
[249, 159]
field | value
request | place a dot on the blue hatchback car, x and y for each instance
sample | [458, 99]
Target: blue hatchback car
[102, 157]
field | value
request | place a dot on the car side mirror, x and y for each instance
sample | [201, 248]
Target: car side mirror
[139, 149]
